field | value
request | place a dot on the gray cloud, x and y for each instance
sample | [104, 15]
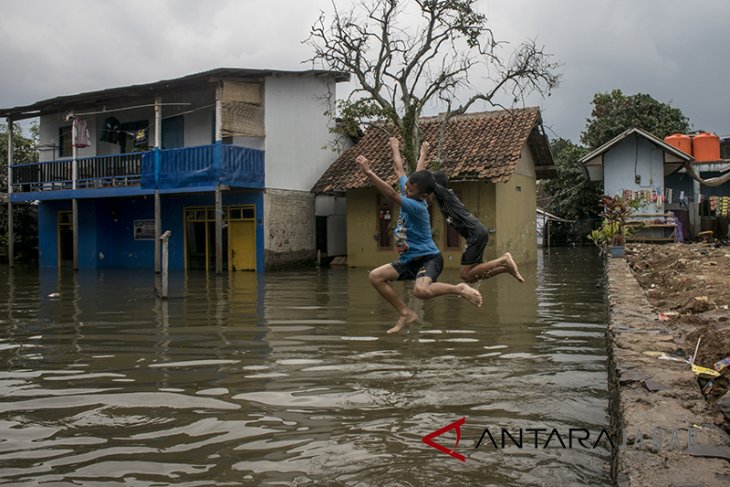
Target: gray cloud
[670, 49]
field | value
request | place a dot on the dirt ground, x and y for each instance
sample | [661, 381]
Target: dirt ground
[689, 284]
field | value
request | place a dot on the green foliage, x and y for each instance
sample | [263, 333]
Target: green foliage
[25, 216]
[609, 235]
[354, 117]
[614, 113]
[616, 212]
[572, 195]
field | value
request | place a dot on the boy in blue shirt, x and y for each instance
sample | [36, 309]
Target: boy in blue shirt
[420, 259]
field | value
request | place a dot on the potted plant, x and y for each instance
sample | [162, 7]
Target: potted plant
[611, 237]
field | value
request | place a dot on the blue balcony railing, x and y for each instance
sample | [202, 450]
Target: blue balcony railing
[206, 165]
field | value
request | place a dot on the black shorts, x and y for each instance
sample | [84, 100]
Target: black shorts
[475, 245]
[426, 266]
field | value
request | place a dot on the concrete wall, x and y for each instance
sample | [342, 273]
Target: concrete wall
[362, 243]
[516, 226]
[289, 233]
[297, 130]
[634, 156]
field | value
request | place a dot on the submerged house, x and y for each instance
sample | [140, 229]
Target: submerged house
[493, 160]
[638, 165]
[224, 159]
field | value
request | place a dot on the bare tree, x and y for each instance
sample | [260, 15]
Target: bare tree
[406, 53]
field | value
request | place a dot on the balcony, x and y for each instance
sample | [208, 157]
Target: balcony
[188, 167]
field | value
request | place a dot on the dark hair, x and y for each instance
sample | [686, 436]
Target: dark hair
[441, 178]
[423, 180]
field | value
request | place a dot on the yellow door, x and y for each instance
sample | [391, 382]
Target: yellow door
[242, 242]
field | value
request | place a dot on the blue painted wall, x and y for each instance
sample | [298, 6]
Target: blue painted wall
[48, 231]
[115, 229]
[106, 228]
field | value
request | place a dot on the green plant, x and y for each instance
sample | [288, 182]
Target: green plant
[611, 234]
[616, 212]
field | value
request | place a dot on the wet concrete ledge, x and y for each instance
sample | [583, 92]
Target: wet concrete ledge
[654, 429]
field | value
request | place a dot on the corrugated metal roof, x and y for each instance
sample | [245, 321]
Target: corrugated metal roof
[58, 103]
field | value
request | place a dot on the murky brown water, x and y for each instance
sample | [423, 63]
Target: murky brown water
[291, 380]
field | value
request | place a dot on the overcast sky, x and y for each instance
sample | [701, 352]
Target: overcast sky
[673, 50]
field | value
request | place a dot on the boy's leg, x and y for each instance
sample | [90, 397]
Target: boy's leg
[472, 267]
[485, 270]
[380, 279]
[426, 286]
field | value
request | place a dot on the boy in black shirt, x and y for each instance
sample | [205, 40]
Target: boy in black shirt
[472, 266]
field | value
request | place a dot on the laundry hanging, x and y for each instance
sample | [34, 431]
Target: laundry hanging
[110, 130]
[140, 138]
[81, 131]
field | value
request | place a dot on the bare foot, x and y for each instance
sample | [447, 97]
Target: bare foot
[512, 267]
[470, 294]
[404, 321]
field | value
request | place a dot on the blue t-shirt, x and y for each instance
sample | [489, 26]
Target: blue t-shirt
[413, 229]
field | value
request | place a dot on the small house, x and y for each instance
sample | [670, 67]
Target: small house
[638, 165]
[493, 160]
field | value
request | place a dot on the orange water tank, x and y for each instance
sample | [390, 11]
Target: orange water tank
[681, 142]
[706, 147]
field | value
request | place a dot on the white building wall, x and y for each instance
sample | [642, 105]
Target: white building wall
[49, 137]
[634, 157]
[297, 130]
[196, 106]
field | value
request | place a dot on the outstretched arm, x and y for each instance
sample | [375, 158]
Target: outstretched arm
[422, 157]
[384, 188]
[397, 161]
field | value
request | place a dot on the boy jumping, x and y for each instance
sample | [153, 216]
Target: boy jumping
[472, 266]
[419, 259]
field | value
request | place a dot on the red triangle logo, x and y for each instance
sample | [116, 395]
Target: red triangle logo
[428, 439]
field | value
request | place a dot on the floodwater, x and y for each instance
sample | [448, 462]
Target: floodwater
[290, 379]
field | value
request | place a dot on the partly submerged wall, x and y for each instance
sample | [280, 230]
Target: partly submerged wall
[658, 426]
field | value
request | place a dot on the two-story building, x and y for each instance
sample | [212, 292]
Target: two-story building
[224, 159]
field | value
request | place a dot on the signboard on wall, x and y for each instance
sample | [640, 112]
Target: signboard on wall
[144, 229]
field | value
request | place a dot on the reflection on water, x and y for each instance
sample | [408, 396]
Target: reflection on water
[291, 380]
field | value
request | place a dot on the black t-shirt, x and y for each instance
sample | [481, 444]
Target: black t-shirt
[456, 213]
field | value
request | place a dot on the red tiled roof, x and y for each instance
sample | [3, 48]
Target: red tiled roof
[483, 146]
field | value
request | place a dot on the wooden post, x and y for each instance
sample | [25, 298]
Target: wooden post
[218, 231]
[74, 202]
[164, 238]
[11, 233]
[549, 223]
[158, 211]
